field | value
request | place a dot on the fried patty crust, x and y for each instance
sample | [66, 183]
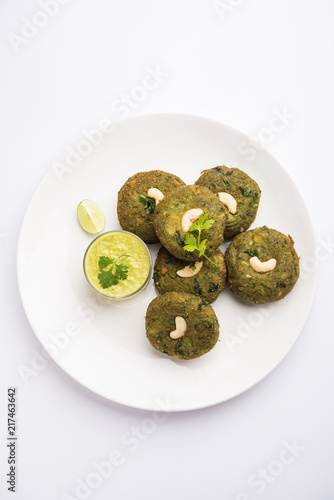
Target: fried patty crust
[135, 213]
[206, 284]
[202, 327]
[168, 220]
[244, 190]
[261, 287]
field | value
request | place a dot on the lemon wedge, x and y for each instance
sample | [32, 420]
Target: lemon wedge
[90, 216]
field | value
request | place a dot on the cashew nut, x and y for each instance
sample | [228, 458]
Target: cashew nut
[187, 272]
[181, 327]
[189, 217]
[156, 194]
[262, 267]
[229, 201]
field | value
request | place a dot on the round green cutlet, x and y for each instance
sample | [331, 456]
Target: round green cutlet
[243, 188]
[206, 284]
[202, 328]
[265, 244]
[168, 220]
[135, 209]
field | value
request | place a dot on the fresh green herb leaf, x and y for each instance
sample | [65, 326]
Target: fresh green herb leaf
[104, 261]
[189, 248]
[192, 266]
[207, 224]
[201, 223]
[107, 279]
[122, 271]
[113, 275]
[149, 203]
[202, 248]
[253, 253]
[194, 226]
[191, 243]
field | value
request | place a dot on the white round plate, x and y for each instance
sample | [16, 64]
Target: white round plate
[103, 345]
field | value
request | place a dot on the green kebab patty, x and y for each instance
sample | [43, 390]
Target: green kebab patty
[201, 330]
[261, 244]
[170, 213]
[135, 209]
[207, 283]
[244, 190]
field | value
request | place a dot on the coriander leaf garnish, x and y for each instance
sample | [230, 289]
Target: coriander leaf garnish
[149, 203]
[107, 279]
[253, 253]
[116, 272]
[104, 261]
[200, 224]
[202, 248]
[191, 243]
[122, 271]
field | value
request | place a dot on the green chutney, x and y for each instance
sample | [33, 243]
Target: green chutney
[112, 245]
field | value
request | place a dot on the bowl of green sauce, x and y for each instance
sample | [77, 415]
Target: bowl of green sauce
[117, 265]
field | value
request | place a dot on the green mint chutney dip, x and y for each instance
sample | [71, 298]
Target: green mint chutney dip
[135, 257]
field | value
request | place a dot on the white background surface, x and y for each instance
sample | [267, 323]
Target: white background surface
[239, 67]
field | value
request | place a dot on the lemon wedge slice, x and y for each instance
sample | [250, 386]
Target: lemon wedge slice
[90, 216]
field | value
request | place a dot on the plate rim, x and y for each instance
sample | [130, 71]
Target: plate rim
[312, 235]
